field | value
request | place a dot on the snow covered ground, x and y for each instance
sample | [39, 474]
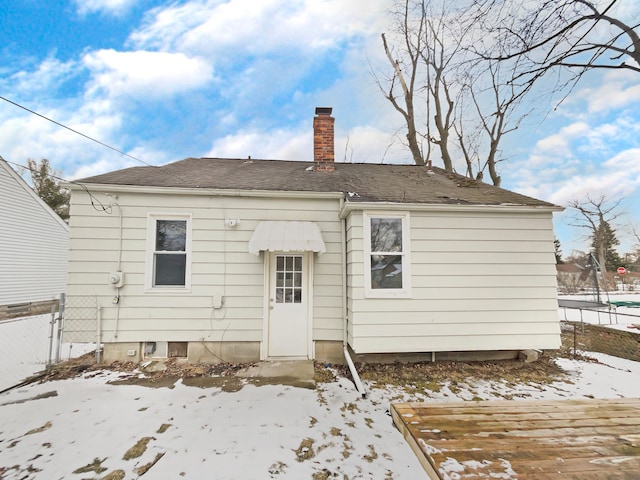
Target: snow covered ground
[87, 428]
[51, 430]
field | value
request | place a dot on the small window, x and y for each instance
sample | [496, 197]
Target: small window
[386, 255]
[169, 262]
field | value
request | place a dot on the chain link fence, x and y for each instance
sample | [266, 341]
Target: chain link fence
[31, 343]
[27, 346]
[79, 326]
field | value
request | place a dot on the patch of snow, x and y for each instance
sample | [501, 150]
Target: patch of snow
[428, 448]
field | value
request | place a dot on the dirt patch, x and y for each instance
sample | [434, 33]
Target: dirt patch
[423, 376]
[168, 381]
[138, 449]
[44, 427]
[163, 428]
[147, 466]
[37, 397]
[95, 466]
[305, 450]
[277, 468]
[433, 376]
[115, 475]
[324, 474]
[372, 454]
[172, 369]
[322, 374]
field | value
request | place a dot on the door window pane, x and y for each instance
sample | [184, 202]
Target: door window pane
[288, 287]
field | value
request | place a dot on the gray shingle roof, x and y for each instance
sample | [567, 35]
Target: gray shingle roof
[357, 181]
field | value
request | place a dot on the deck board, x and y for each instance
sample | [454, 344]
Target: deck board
[568, 439]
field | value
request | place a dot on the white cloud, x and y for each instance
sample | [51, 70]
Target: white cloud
[619, 176]
[362, 144]
[368, 144]
[617, 89]
[29, 136]
[48, 75]
[276, 144]
[266, 51]
[551, 149]
[110, 7]
[233, 28]
[144, 74]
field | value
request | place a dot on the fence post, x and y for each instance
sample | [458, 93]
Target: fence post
[63, 301]
[52, 322]
[98, 334]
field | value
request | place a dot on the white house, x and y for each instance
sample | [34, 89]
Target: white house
[34, 244]
[239, 260]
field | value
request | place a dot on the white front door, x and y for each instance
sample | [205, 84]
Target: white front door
[288, 324]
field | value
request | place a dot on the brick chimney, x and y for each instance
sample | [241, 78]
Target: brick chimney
[323, 149]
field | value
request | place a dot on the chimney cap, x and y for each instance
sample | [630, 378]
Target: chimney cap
[323, 110]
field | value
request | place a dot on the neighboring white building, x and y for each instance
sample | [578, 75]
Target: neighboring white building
[34, 244]
[241, 260]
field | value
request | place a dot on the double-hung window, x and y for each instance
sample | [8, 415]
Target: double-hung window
[386, 248]
[169, 252]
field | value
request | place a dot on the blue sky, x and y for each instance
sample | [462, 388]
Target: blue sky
[163, 81]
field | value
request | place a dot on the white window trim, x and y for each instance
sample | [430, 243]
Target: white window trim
[151, 239]
[405, 291]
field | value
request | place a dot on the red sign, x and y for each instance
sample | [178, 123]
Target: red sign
[622, 270]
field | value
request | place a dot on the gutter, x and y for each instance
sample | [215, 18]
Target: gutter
[223, 192]
[345, 345]
[348, 207]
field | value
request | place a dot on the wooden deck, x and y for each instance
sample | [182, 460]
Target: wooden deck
[567, 439]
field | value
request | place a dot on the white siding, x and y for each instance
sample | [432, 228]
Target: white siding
[221, 265]
[480, 281]
[33, 244]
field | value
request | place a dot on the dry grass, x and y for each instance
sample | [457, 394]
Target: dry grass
[433, 376]
[138, 449]
[412, 376]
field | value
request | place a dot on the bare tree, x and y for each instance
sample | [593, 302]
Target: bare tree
[596, 215]
[405, 74]
[459, 104]
[579, 35]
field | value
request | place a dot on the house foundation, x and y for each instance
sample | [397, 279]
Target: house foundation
[415, 357]
[329, 352]
[220, 352]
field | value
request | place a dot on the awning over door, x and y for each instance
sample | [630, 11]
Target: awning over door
[286, 237]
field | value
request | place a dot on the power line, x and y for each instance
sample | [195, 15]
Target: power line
[75, 131]
[92, 198]
[93, 140]
[25, 167]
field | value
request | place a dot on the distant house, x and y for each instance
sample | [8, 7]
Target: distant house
[239, 260]
[34, 244]
[573, 277]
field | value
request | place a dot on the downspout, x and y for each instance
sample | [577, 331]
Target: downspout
[345, 346]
